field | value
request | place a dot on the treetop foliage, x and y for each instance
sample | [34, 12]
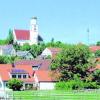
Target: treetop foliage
[73, 60]
[98, 43]
[8, 40]
[97, 53]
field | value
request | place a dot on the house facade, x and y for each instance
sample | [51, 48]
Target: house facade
[24, 54]
[7, 50]
[44, 80]
[52, 52]
[30, 75]
[24, 73]
[27, 36]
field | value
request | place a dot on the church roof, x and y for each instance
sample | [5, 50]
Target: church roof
[22, 34]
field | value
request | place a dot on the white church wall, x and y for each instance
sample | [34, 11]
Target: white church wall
[33, 33]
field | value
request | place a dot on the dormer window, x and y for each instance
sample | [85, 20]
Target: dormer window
[35, 67]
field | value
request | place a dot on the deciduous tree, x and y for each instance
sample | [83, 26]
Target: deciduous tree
[73, 61]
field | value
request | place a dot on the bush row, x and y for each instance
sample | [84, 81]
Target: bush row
[75, 85]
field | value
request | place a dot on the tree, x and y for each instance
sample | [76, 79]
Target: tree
[56, 44]
[36, 50]
[3, 42]
[8, 59]
[16, 46]
[97, 53]
[98, 43]
[10, 38]
[25, 47]
[15, 84]
[96, 76]
[4, 59]
[74, 60]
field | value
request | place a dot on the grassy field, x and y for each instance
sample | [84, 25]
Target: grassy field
[57, 95]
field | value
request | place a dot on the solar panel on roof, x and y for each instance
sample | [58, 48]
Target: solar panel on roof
[18, 71]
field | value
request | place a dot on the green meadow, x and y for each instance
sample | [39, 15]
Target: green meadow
[56, 95]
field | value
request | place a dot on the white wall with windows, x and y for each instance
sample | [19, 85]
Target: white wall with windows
[22, 76]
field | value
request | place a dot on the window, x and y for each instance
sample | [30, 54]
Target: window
[24, 76]
[35, 28]
[1, 85]
[35, 67]
[6, 84]
[19, 76]
[13, 76]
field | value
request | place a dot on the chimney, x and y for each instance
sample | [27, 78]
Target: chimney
[13, 65]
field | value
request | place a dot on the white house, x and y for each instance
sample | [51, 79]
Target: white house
[21, 72]
[28, 36]
[51, 52]
[44, 80]
[7, 50]
[40, 79]
[5, 92]
[24, 54]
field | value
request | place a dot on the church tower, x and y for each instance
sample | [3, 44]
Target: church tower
[33, 31]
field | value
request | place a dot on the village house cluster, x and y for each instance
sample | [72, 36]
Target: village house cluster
[34, 73]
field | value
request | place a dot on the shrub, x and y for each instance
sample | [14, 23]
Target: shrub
[70, 85]
[25, 47]
[15, 84]
[91, 85]
[76, 84]
[62, 86]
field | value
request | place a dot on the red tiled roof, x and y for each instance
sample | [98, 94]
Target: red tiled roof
[28, 68]
[98, 66]
[98, 59]
[5, 69]
[94, 48]
[22, 34]
[43, 76]
[43, 64]
[4, 74]
[55, 51]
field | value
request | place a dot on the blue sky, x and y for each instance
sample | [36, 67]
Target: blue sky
[65, 20]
